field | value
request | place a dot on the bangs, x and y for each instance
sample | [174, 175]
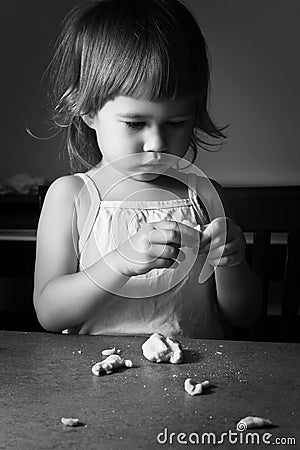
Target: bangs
[152, 73]
[143, 54]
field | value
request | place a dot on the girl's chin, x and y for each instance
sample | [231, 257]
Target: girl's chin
[146, 172]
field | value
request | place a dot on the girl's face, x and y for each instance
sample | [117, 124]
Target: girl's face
[142, 133]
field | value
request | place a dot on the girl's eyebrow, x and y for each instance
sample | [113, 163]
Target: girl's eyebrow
[132, 116]
[144, 116]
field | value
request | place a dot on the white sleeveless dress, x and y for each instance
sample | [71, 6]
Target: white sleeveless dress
[167, 301]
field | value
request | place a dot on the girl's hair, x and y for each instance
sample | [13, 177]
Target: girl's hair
[145, 49]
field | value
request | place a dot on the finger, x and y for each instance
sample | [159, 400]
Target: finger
[218, 262]
[163, 236]
[165, 225]
[230, 254]
[168, 262]
[207, 235]
[224, 250]
[225, 228]
[217, 240]
[225, 261]
[216, 227]
[206, 246]
[189, 237]
[229, 246]
[164, 263]
[163, 251]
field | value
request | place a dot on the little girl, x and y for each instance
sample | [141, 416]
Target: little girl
[131, 243]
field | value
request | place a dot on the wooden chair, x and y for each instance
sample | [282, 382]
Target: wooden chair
[263, 211]
[18, 220]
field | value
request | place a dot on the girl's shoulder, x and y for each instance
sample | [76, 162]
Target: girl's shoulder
[66, 187]
[64, 194]
[58, 211]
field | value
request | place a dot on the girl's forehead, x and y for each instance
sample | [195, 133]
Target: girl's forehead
[122, 105]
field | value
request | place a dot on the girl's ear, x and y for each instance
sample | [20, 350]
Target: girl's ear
[89, 120]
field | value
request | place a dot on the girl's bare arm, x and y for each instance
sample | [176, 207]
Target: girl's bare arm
[239, 294]
[238, 289]
[64, 297]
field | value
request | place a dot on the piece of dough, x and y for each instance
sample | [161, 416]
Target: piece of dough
[193, 387]
[252, 422]
[110, 351]
[159, 348]
[70, 422]
[110, 364]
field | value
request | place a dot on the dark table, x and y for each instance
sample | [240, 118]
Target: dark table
[45, 377]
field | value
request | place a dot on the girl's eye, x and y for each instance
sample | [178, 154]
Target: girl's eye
[135, 125]
[177, 124]
[138, 126]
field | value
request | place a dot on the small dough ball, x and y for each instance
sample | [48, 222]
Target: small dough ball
[109, 351]
[70, 422]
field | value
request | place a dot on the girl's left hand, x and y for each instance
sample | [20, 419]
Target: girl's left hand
[224, 242]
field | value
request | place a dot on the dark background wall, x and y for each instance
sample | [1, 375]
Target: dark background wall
[255, 78]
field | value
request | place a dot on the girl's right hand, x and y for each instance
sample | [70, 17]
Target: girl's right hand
[156, 245]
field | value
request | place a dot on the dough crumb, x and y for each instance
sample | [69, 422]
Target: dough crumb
[128, 363]
[70, 422]
[159, 348]
[109, 351]
[193, 387]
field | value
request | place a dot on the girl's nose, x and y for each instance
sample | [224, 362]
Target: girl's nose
[154, 141]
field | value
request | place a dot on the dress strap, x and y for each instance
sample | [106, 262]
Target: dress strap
[196, 201]
[93, 210]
